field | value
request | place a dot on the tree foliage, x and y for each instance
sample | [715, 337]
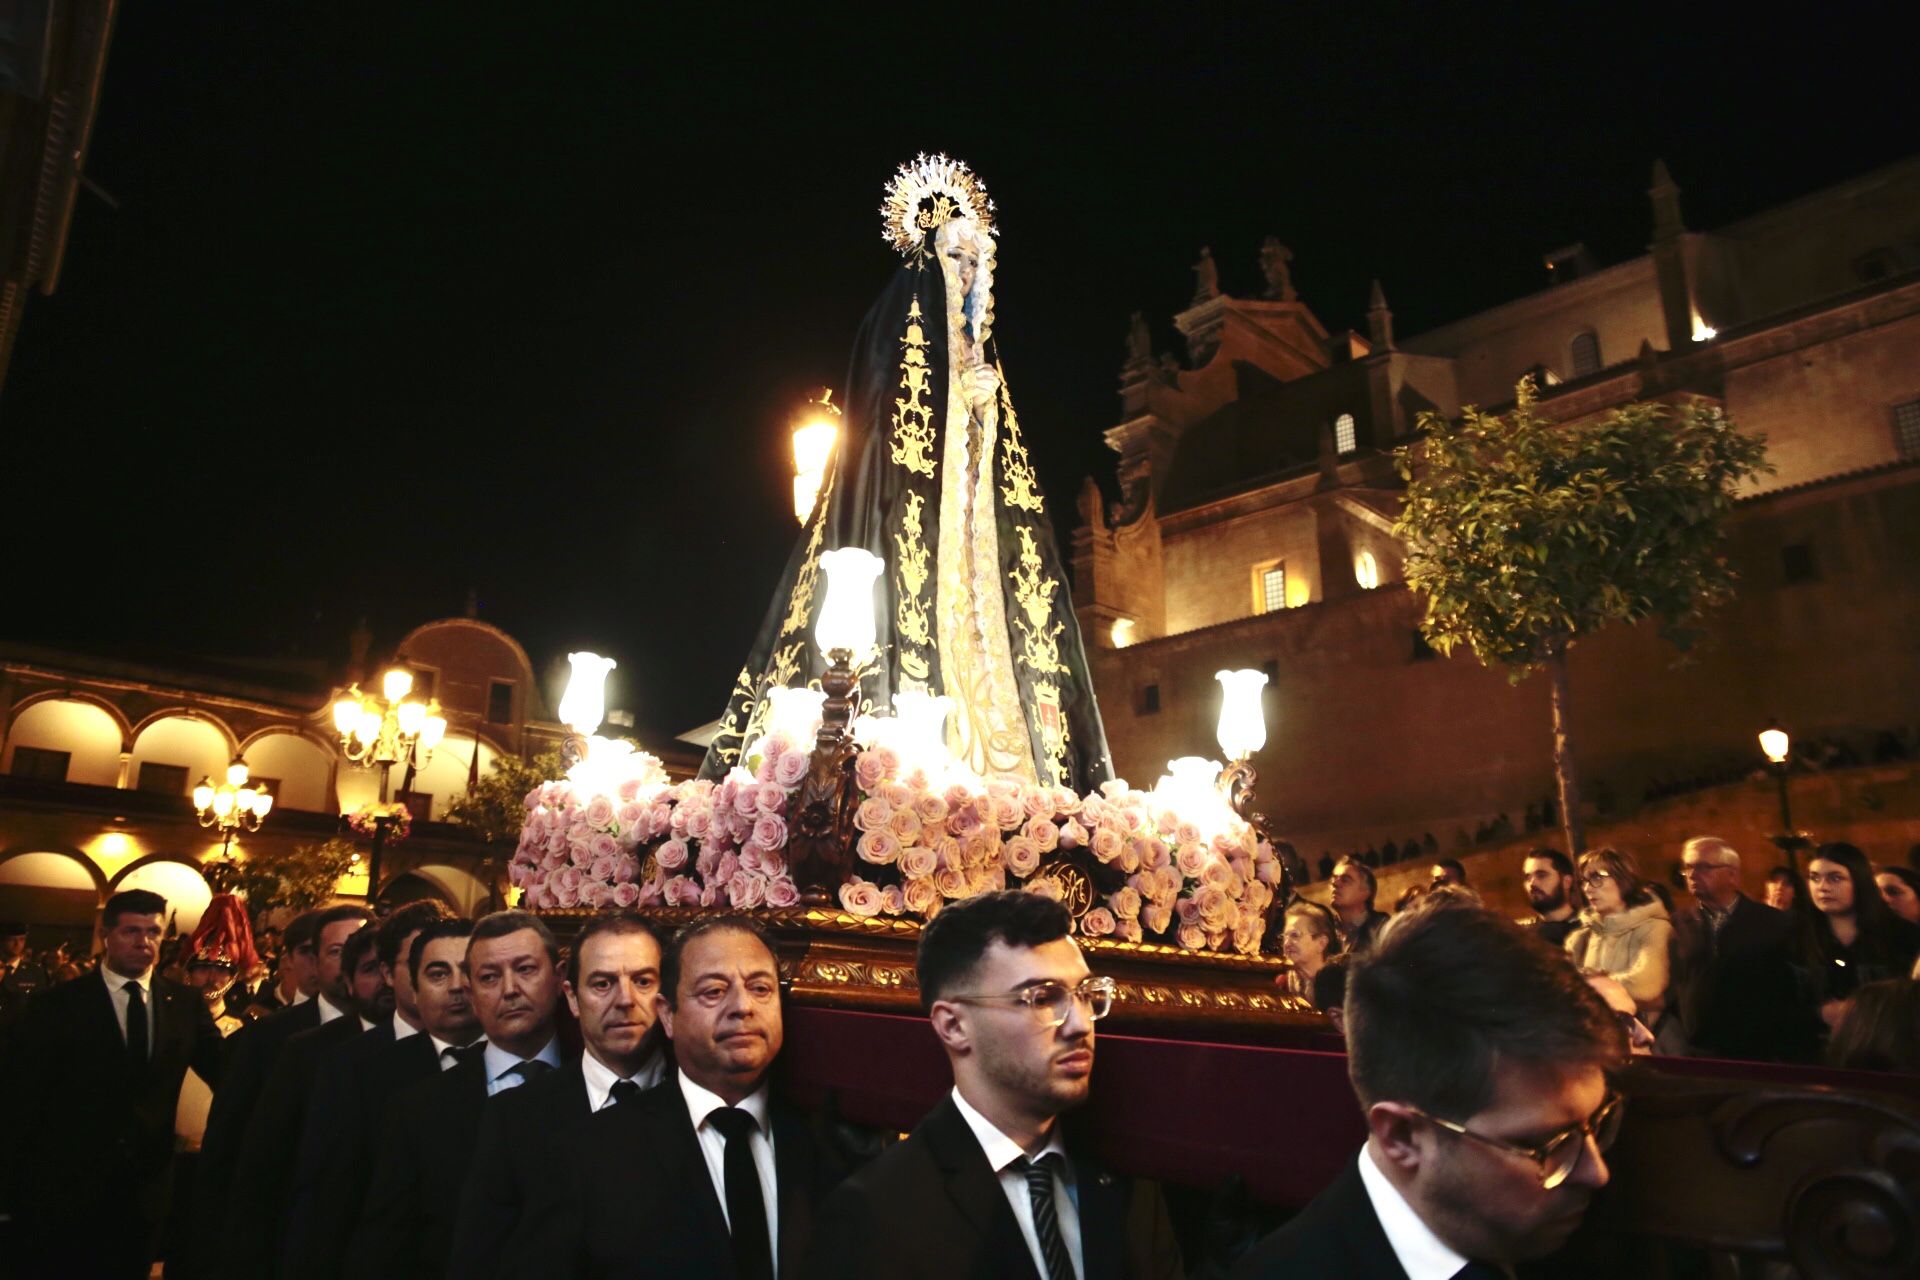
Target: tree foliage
[1523, 534]
[495, 808]
[299, 879]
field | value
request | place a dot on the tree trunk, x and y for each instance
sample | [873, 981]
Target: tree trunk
[1563, 767]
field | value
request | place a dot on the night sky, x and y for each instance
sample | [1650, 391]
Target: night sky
[402, 300]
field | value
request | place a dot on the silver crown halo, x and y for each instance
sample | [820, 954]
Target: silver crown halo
[929, 191]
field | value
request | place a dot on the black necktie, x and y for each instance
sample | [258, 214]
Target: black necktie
[136, 1024]
[623, 1091]
[746, 1210]
[528, 1071]
[1046, 1222]
[1481, 1271]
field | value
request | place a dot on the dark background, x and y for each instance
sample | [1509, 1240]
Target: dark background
[405, 300]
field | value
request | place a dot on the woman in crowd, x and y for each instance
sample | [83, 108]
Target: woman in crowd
[1625, 931]
[1900, 890]
[1880, 1030]
[1309, 937]
[1850, 938]
[1784, 890]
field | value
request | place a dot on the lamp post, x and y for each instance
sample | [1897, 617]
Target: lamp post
[822, 823]
[229, 806]
[816, 428]
[382, 731]
[1778, 748]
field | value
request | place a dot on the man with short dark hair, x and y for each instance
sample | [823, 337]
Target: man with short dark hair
[988, 1184]
[296, 976]
[88, 1091]
[1734, 984]
[730, 1176]
[530, 1137]
[1547, 876]
[406, 1225]
[338, 1140]
[1354, 888]
[1480, 1057]
[1449, 871]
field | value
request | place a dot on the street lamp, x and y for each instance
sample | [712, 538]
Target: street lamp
[1778, 748]
[231, 806]
[382, 731]
[816, 428]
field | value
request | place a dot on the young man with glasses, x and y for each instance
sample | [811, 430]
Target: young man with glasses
[1481, 1059]
[988, 1184]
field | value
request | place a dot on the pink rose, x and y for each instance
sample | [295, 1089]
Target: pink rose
[1167, 822]
[1022, 856]
[1125, 902]
[672, 855]
[626, 894]
[566, 878]
[906, 824]
[868, 770]
[1046, 887]
[1037, 802]
[897, 795]
[746, 800]
[1129, 931]
[681, 891]
[782, 892]
[789, 768]
[951, 883]
[1072, 834]
[700, 823]
[629, 788]
[1156, 916]
[959, 795]
[1192, 860]
[602, 870]
[892, 900]
[1215, 907]
[710, 895]
[874, 814]
[772, 862]
[1169, 881]
[771, 798]
[1097, 923]
[770, 831]
[882, 848]
[1007, 813]
[566, 895]
[1192, 937]
[1106, 844]
[599, 812]
[1217, 873]
[726, 868]
[603, 846]
[921, 896]
[860, 898]
[629, 814]
[930, 809]
[948, 852]
[918, 861]
[1187, 833]
[746, 891]
[596, 894]
[1246, 934]
[889, 761]
[1045, 836]
[626, 867]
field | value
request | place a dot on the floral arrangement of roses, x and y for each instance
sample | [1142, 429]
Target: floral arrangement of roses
[366, 819]
[921, 842]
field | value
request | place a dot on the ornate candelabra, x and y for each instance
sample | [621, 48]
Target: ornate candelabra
[230, 806]
[821, 831]
[382, 731]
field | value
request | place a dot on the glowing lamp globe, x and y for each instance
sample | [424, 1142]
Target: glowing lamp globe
[922, 735]
[412, 716]
[1243, 721]
[431, 731]
[368, 727]
[223, 802]
[237, 774]
[584, 705]
[346, 714]
[1775, 743]
[846, 616]
[397, 683]
[261, 803]
[203, 795]
[795, 712]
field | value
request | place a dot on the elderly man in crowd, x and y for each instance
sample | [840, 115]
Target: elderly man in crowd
[989, 1184]
[1733, 982]
[1481, 1059]
[1354, 888]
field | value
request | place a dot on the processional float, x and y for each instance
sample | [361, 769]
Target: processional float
[916, 721]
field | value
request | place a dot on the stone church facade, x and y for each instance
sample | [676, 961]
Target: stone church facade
[1259, 495]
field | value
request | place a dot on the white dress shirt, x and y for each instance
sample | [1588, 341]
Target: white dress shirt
[501, 1075]
[601, 1078]
[117, 991]
[329, 1011]
[1003, 1156]
[402, 1028]
[443, 1052]
[1423, 1255]
[713, 1145]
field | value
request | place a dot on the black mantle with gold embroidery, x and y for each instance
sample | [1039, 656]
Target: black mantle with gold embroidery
[882, 492]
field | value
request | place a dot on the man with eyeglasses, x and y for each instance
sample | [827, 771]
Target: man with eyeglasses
[1481, 1059]
[1734, 981]
[989, 1184]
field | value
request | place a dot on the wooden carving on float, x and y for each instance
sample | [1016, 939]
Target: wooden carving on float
[820, 835]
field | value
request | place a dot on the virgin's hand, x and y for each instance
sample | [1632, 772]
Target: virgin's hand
[981, 386]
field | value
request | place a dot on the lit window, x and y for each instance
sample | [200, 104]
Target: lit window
[1344, 438]
[1366, 571]
[1273, 588]
[1586, 353]
[1906, 429]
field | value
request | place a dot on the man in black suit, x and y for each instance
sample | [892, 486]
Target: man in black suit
[1733, 979]
[406, 1225]
[988, 1185]
[87, 1104]
[1354, 887]
[349, 1097]
[1480, 1057]
[530, 1137]
[350, 978]
[251, 1054]
[706, 1175]
[297, 974]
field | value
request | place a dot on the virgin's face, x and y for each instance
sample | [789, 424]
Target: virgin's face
[1830, 887]
[962, 250]
[1899, 897]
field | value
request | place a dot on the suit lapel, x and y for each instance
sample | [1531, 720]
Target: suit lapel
[1102, 1201]
[104, 1018]
[975, 1190]
[693, 1172]
[1354, 1216]
[793, 1177]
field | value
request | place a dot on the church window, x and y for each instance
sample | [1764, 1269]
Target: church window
[1345, 439]
[1906, 429]
[1366, 571]
[1271, 587]
[1586, 353]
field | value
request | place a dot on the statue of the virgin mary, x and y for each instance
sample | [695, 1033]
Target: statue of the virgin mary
[931, 474]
